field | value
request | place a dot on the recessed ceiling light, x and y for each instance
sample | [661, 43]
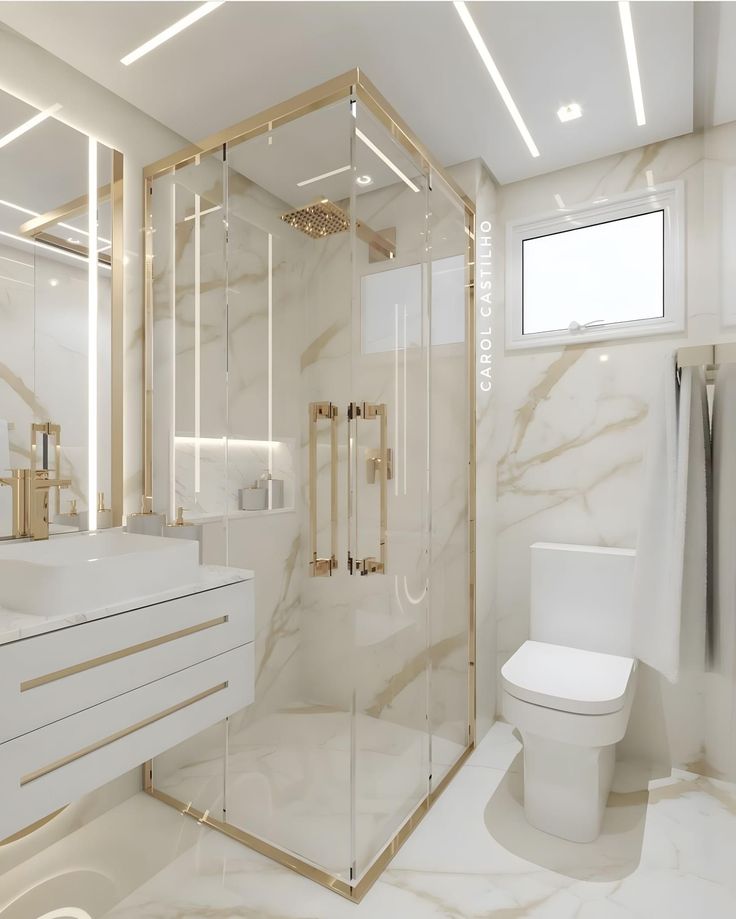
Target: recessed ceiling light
[569, 112]
[485, 54]
[53, 282]
[324, 175]
[27, 125]
[364, 180]
[170, 32]
[627, 27]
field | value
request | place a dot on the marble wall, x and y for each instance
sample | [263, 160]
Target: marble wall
[563, 452]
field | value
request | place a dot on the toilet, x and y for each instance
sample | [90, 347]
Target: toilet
[569, 689]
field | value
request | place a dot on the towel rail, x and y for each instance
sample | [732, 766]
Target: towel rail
[708, 356]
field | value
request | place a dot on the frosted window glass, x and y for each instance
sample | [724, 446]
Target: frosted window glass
[389, 295]
[611, 271]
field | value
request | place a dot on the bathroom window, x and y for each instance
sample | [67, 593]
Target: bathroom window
[392, 306]
[613, 269]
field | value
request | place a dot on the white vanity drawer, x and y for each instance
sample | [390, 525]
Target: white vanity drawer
[48, 768]
[51, 676]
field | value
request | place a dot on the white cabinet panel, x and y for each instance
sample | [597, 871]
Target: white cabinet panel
[49, 767]
[51, 676]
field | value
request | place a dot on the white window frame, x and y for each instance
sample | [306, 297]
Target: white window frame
[667, 197]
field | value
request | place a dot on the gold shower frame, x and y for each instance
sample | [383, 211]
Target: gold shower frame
[356, 86]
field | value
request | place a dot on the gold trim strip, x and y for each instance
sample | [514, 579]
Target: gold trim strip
[118, 735]
[402, 133]
[320, 411]
[117, 340]
[118, 655]
[36, 225]
[353, 893]
[471, 358]
[76, 248]
[32, 827]
[309, 101]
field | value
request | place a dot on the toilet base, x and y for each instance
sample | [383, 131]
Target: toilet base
[566, 787]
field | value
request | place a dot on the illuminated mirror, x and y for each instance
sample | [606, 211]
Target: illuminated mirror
[60, 303]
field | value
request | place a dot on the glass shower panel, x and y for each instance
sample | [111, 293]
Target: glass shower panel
[449, 462]
[190, 410]
[289, 340]
[390, 488]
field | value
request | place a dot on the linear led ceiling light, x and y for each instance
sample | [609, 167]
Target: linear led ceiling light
[27, 125]
[627, 27]
[384, 159]
[485, 56]
[325, 175]
[171, 31]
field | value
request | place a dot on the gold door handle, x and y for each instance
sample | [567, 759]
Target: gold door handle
[379, 469]
[321, 567]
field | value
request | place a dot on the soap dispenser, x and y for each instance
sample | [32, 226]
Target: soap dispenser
[145, 522]
[104, 514]
[72, 518]
[183, 529]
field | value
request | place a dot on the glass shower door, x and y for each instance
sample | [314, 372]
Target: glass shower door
[390, 490]
[289, 763]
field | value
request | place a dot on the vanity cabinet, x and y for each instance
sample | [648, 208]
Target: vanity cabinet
[86, 703]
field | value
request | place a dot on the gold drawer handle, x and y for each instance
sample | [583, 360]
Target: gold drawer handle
[118, 735]
[117, 655]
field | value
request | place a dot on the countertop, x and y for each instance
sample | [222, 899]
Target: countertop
[15, 626]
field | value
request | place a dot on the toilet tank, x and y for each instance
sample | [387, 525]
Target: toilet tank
[581, 596]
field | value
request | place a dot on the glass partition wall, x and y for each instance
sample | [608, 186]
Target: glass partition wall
[309, 358]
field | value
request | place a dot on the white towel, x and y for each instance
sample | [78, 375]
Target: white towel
[724, 521]
[6, 498]
[720, 715]
[671, 564]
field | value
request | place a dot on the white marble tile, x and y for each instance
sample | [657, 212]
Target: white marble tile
[665, 854]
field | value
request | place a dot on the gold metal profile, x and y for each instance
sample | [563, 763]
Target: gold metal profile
[117, 339]
[353, 892]
[31, 228]
[32, 827]
[369, 411]
[118, 735]
[119, 655]
[318, 411]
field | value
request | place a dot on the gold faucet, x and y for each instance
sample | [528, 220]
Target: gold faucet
[31, 488]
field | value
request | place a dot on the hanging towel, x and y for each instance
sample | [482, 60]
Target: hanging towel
[671, 565]
[723, 626]
[6, 498]
[720, 715]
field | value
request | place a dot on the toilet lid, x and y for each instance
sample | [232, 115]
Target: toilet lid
[568, 679]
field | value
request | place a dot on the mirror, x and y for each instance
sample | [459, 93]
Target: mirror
[60, 290]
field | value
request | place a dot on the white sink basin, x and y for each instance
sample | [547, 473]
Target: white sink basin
[88, 571]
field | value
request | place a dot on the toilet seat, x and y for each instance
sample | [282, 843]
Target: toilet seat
[569, 679]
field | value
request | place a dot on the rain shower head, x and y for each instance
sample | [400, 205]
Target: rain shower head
[324, 218]
[320, 219]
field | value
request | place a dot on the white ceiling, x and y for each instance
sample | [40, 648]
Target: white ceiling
[247, 56]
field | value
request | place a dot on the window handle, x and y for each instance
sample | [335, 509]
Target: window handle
[577, 327]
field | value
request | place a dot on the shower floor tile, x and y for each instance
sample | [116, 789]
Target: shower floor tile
[664, 853]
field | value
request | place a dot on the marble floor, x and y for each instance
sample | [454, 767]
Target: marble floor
[286, 778]
[665, 853]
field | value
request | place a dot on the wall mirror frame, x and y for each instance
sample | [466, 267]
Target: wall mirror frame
[62, 292]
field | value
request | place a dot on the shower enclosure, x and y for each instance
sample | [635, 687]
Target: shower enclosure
[309, 402]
